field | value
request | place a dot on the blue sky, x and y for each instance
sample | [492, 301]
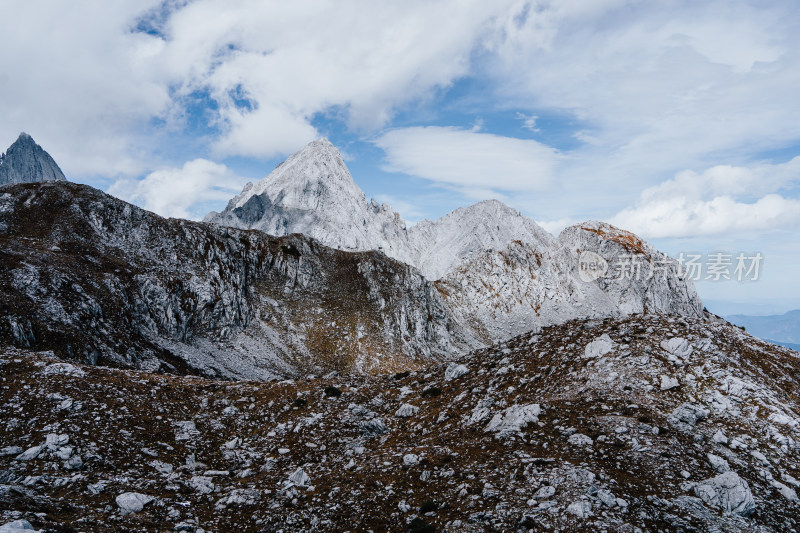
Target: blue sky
[677, 120]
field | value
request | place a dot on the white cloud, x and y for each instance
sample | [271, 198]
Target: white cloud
[469, 160]
[104, 96]
[722, 199]
[181, 192]
[528, 121]
[654, 87]
[74, 77]
[294, 60]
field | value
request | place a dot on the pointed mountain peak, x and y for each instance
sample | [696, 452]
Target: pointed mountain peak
[317, 169]
[27, 162]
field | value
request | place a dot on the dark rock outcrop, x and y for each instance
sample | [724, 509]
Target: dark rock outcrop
[101, 281]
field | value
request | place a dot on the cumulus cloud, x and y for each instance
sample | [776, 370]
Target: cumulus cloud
[77, 79]
[469, 160]
[104, 85]
[183, 192]
[722, 199]
[653, 87]
[271, 67]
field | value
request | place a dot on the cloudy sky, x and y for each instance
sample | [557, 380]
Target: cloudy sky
[677, 120]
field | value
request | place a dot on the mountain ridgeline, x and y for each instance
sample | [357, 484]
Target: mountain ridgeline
[300, 274]
[500, 273]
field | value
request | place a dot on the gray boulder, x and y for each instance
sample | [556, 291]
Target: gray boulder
[18, 526]
[455, 371]
[728, 492]
[132, 502]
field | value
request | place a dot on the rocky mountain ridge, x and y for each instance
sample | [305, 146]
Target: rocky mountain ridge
[27, 162]
[313, 193]
[102, 281]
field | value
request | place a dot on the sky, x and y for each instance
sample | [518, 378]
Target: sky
[677, 120]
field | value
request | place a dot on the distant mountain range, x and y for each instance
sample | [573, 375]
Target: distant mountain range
[500, 273]
[781, 329]
[100, 280]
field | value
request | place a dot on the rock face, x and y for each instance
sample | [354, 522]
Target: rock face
[502, 293]
[499, 272]
[533, 437]
[98, 280]
[26, 162]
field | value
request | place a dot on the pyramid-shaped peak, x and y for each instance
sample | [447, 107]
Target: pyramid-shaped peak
[27, 162]
[317, 169]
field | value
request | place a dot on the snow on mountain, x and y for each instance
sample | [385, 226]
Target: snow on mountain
[441, 246]
[499, 271]
[27, 162]
[313, 193]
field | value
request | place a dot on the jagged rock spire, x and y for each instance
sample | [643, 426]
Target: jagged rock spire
[27, 162]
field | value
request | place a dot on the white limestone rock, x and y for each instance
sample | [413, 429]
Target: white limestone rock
[511, 420]
[669, 382]
[202, 484]
[132, 502]
[719, 464]
[599, 347]
[727, 492]
[18, 526]
[63, 369]
[579, 439]
[454, 371]
[688, 415]
[406, 411]
[580, 509]
[299, 478]
[410, 459]
[678, 347]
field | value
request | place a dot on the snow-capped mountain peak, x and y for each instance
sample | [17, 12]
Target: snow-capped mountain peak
[309, 179]
[487, 225]
[313, 193]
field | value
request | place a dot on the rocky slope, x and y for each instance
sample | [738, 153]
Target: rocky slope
[502, 293]
[642, 423]
[27, 162]
[101, 281]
